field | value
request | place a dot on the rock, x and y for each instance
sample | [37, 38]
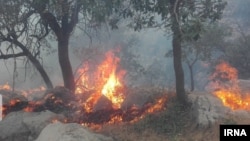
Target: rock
[12, 127]
[24, 126]
[69, 132]
[37, 121]
[206, 108]
[103, 103]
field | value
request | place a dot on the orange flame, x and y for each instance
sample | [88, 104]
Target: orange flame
[5, 87]
[225, 82]
[159, 105]
[112, 81]
[104, 79]
[97, 80]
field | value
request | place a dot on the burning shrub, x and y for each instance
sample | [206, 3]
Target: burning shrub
[101, 97]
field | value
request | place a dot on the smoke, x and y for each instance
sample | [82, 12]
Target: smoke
[150, 49]
[147, 47]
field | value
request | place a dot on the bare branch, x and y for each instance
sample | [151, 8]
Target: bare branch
[8, 56]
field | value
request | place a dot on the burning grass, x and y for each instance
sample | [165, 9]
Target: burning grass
[59, 101]
[126, 114]
[226, 87]
[101, 96]
[166, 125]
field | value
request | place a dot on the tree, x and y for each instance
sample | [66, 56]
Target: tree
[238, 54]
[211, 41]
[61, 17]
[15, 36]
[180, 17]
[129, 60]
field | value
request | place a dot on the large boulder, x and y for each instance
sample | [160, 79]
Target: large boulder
[12, 127]
[206, 109]
[69, 132]
[24, 126]
[37, 121]
[103, 103]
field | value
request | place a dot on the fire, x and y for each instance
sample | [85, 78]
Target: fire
[99, 96]
[13, 102]
[28, 93]
[112, 79]
[109, 90]
[158, 105]
[5, 87]
[225, 82]
[104, 78]
[131, 115]
[28, 109]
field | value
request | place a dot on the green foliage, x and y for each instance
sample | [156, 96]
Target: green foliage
[211, 40]
[129, 60]
[185, 19]
[192, 15]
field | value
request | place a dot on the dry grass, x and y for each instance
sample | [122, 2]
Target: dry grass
[125, 133]
[173, 124]
[163, 126]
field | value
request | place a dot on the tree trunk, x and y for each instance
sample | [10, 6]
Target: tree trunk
[36, 63]
[63, 54]
[177, 53]
[191, 77]
[179, 74]
[62, 30]
[41, 70]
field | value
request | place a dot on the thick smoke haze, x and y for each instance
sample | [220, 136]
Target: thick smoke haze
[151, 47]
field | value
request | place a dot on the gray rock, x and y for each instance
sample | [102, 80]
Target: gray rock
[69, 132]
[12, 127]
[37, 121]
[206, 109]
[24, 126]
